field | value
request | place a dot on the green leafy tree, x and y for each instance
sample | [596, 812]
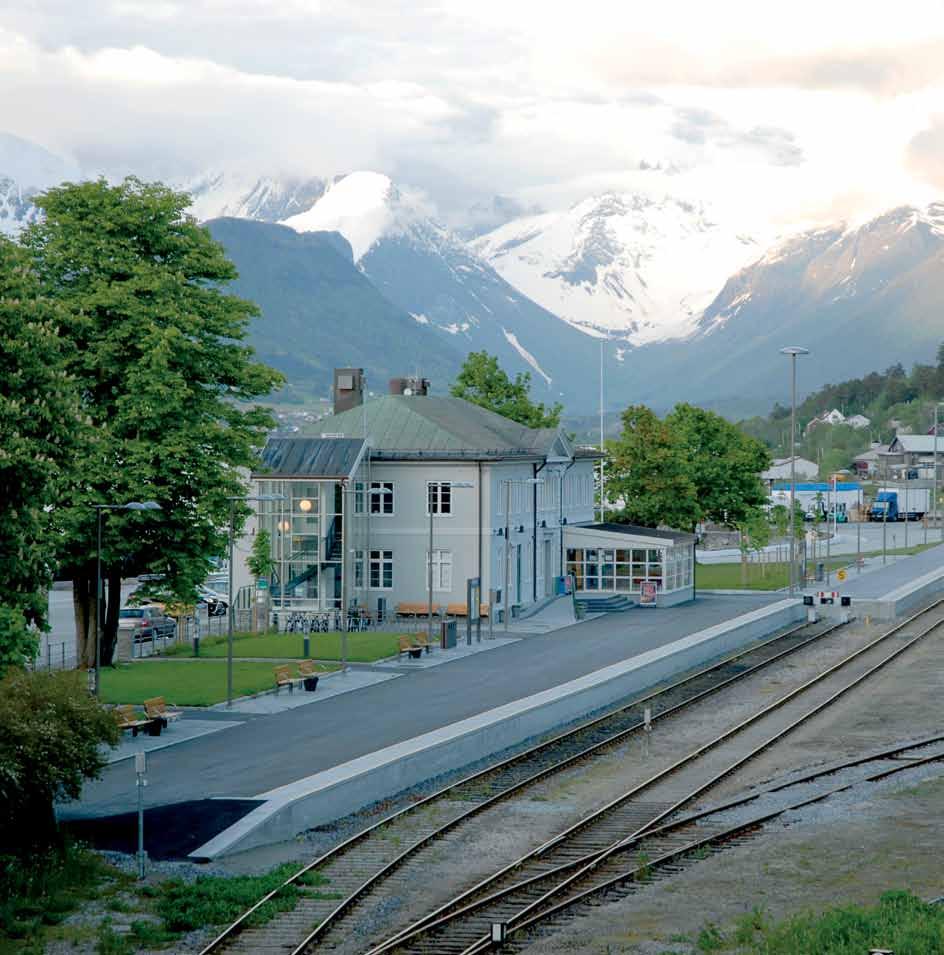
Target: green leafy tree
[754, 536]
[166, 383]
[723, 463]
[51, 740]
[260, 562]
[38, 427]
[647, 472]
[483, 382]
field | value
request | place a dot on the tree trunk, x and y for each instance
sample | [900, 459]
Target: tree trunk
[112, 606]
[83, 607]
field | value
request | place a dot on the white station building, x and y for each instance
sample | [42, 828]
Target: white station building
[509, 505]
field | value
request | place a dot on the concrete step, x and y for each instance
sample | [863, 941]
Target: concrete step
[615, 604]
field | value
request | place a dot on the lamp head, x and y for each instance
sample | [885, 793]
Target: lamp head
[794, 350]
[304, 505]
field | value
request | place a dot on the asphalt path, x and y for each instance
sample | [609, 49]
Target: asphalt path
[273, 750]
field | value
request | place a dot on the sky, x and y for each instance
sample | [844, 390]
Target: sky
[787, 113]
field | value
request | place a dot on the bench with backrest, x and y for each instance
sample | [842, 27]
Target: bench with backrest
[422, 641]
[156, 709]
[405, 609]
[462, 610]
[128, 719]
[283, 677]
[409, 644]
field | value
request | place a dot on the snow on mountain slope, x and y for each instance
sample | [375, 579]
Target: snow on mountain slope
[222, 193]
[429, 272]
[641, 267]
[363, 207]
[26, 169]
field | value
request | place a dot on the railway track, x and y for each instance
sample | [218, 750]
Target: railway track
[579, 858]
[363, 862]
[670, 848]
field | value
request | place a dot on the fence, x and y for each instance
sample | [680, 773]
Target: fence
[55, 656]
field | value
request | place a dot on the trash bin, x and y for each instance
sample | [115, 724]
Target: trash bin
[447, 634]
[820, 571]
[310, 683]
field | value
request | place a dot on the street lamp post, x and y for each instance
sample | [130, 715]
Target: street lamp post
[430, 502]
[232, 602]
[934, 474]
[99, 584]
[506, 583]
[793, 351]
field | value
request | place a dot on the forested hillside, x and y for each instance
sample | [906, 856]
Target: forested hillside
[894, 400]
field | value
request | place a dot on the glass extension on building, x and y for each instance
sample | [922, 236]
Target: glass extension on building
[619, 570]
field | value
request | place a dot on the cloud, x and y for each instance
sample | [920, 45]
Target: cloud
[926, 153]
[701, 127]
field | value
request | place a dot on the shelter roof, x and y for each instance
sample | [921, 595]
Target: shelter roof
[333, 458]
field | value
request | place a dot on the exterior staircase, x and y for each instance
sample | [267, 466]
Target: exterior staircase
[617, 603]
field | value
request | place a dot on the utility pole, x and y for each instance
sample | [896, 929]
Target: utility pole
[793, 351]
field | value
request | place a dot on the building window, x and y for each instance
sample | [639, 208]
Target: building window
[442, 570]
[620, 570]
[358, 568]
[438, 497]
[381, 569]
[380, 497]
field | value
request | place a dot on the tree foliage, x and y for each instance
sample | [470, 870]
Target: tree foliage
[645, 470]
[260, 562]
[51, 737]
[690, 467]
[38, 429]
[483, 382]
[723, 462]
[163, 378]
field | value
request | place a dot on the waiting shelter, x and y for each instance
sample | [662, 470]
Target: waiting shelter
[638, 562]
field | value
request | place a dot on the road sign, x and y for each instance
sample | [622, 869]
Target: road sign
[841, 576]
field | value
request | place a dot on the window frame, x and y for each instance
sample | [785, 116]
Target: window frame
[438, 498]
[439, 564]
[380, 563]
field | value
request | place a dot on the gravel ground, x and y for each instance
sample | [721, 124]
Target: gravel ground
[499, 836]
[850, 848]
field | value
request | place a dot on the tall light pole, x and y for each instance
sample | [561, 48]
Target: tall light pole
[99, 588]
[431, 504]
[232, 601]
[793, 351]
[602, 452]
[506, 583]
[937, 404]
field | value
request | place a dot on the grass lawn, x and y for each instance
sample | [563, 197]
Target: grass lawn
[774, 576]
[899, 923]
[361, 647]
[184, 683]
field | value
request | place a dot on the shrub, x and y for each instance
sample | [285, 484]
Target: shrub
[51, 734]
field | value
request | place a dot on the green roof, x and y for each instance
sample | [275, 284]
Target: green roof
[424, 425]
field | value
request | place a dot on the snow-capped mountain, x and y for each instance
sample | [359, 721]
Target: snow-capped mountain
[639, 267]
[26, 169]
[428, 271]
[265, 198]
[857, 297]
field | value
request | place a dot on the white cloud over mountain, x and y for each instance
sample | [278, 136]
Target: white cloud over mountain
[808, 112]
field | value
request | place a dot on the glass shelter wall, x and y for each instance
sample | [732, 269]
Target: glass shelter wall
[306, 531]
[623, 570]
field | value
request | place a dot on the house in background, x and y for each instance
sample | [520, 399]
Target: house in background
[399, 482]
[780, 470]
[858, 421]
[867, 463]
[827, 417]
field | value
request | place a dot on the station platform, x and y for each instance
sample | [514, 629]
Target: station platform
[307, 765]
[890, 591]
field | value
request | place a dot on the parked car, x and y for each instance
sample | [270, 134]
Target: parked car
[146, 623]
[216, 604]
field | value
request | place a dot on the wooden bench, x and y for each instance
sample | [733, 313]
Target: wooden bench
[308, 671]
[462, 610]
[421, 641]
[409, 644]
[415, 609]
[283, 677]
[156, 709]
[127, 719]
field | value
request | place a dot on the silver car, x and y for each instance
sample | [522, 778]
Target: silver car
[146, 623]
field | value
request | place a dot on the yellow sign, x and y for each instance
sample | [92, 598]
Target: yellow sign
[841, 575]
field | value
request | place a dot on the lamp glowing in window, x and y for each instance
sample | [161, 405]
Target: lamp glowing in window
[304, 505]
